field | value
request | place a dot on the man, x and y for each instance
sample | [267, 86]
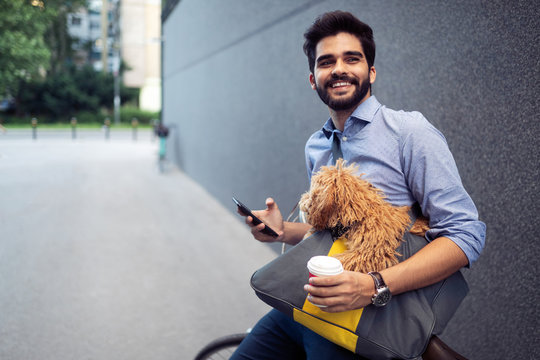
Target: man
[402, 154]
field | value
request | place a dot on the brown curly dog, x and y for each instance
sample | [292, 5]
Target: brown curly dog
[351, 207]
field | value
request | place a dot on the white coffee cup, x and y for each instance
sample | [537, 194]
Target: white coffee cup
[324, 266]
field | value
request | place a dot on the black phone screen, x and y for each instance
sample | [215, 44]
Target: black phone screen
[247, 212]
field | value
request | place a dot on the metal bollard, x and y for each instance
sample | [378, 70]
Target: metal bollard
[134, 125]
[107, 128]
[74, 128]
[34, 124]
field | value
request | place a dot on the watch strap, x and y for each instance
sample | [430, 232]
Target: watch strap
[377, 278]
[382, 294]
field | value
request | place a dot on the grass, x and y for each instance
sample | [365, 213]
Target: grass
[64, 126]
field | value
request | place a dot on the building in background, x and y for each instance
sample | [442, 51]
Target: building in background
[140, 24]
[86, 27]
[133, 34]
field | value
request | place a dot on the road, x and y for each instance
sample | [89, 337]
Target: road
[104, 257]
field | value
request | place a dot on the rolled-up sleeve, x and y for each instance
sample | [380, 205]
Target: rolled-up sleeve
[434, 180]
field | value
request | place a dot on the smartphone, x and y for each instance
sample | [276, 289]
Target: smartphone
[247, 212]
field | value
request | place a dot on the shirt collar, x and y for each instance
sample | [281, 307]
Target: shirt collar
[364, 112]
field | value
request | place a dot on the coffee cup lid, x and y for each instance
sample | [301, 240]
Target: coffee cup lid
[324, 265]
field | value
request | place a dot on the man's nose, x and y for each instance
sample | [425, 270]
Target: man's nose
[339, 68]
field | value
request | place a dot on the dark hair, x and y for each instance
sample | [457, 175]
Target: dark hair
[332, 23]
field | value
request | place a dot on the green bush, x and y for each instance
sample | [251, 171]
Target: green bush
[6, 119]
[70, 92]
[83, 117]
[128, 113]
[89, 117]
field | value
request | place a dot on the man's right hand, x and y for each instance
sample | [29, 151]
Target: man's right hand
[272, 217]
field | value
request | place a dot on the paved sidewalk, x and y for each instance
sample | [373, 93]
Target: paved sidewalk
[104, 257]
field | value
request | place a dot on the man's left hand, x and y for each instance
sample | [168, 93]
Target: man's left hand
[347, 291]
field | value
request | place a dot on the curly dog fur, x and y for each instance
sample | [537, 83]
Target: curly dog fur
[340, 199]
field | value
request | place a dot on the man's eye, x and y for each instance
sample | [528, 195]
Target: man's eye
[353, 59]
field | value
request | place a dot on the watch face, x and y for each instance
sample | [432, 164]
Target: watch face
[382, 298]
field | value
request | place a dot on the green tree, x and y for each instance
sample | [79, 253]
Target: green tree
[57, 37]
[24, 54]
[33, 39]
[70, 91]
[36, 64]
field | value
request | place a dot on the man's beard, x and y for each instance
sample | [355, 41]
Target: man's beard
[344, 103]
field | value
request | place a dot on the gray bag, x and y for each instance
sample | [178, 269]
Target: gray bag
[400, 330]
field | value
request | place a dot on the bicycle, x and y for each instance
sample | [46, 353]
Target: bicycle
[221, 348]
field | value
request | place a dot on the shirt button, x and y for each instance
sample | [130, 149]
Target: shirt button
[344, 138]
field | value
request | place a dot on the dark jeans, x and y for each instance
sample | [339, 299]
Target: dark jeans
[277, 336]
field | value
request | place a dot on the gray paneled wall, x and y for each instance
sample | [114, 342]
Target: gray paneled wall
[236, 91]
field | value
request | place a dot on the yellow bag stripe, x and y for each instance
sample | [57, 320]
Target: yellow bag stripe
[338, 247]
[348, 320]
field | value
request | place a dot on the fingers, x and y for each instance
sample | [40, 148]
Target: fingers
[240, 211]
[330, 304]
[270, 217]
[256, 231]
[338, 293]
[270, 202]
[324, 291]
[254, 227]
[329, 295]
[326, 280]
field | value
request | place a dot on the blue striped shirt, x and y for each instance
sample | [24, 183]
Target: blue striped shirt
[406, 157]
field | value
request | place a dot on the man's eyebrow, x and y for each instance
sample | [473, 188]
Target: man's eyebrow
[348, 53]
[355, 53]
[324, 57]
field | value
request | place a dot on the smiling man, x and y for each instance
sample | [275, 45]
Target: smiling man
[400, 153]
[342, 76]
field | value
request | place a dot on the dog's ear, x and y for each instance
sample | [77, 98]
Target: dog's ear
[327, 196]
[305, 202]
[320, 210]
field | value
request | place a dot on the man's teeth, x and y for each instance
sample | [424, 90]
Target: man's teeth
[341, 84]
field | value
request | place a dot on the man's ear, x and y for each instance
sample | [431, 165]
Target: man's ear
[372, 75]
[312, 81]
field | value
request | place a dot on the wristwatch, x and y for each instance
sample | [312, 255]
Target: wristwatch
[383, 295]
